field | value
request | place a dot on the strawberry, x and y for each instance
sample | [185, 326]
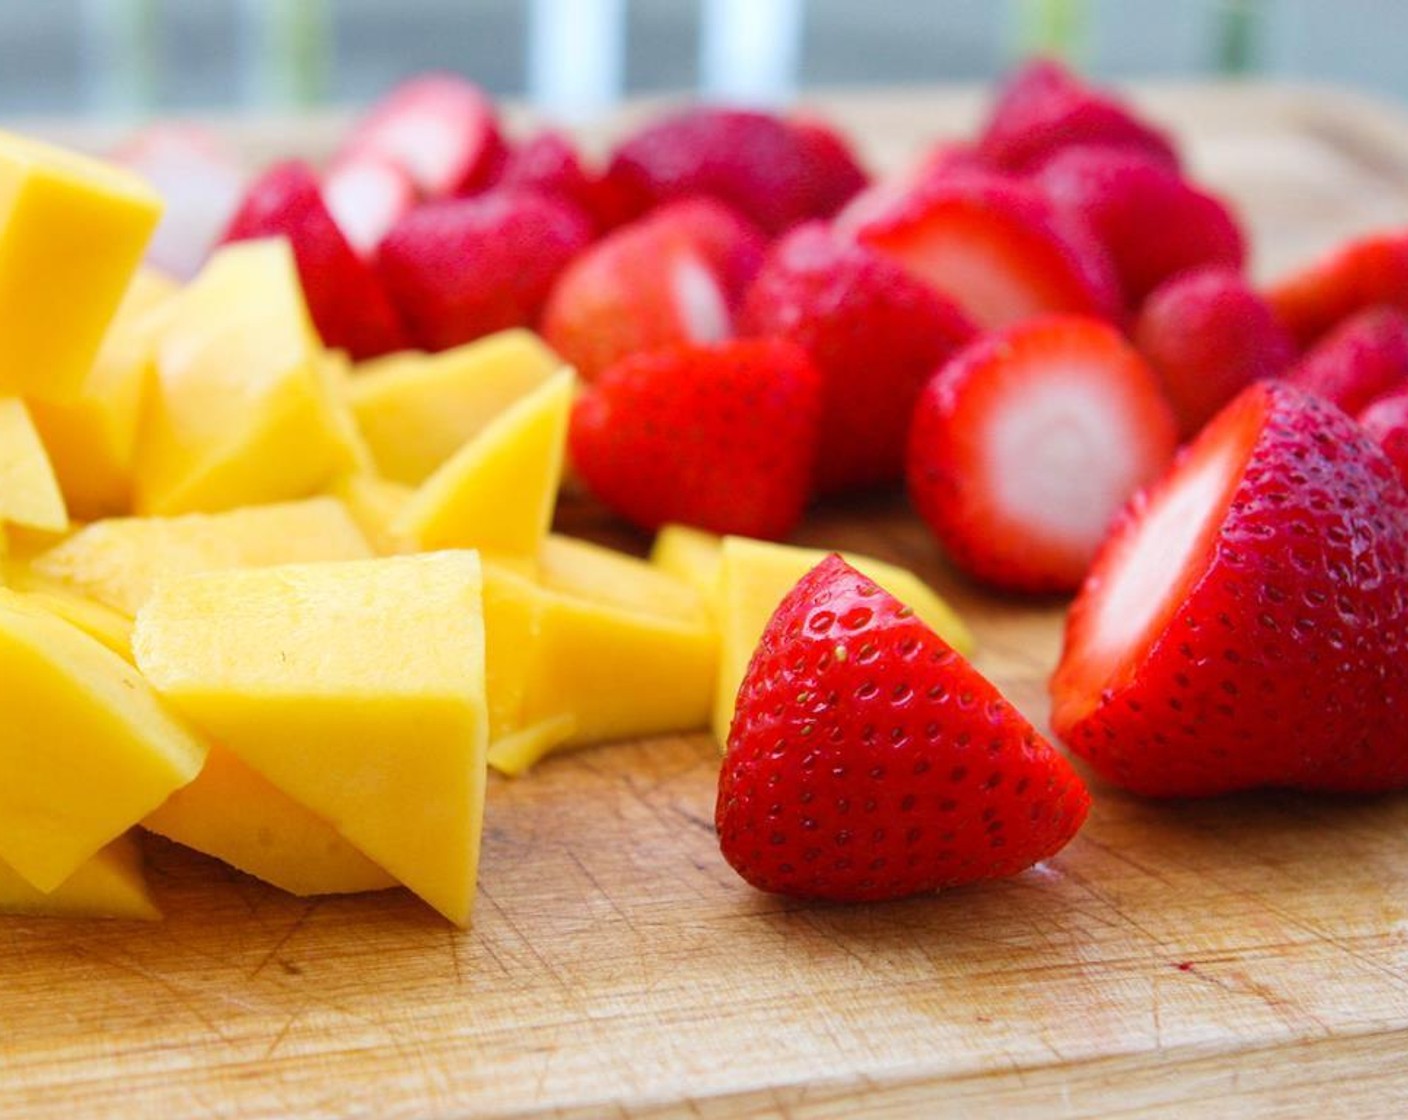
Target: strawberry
[1362, 358]
[998, 248]
[673, 277]
[468, 267]
[770, 171]
[345, 297]
[550, 163]
[201, 180]
[721, 437]
[875, 334]
[1209, 335]
[868, 760]
[1043, 108]
[1386, 422]
[884, 196]
[1027, 443]
[366, 197]
[1154, 223]
[439, 129]
[1244, 625]
[1364, 272]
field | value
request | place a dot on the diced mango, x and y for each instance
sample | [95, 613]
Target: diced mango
[108, 626]
[119, 561]
[72, 231]
[335, 379]
[239, 411]
[498, 492]
[234, 813]
[689, 554]
[515, 754]
[755, 575]
[356, 688]
[109, 885]
[86, 748]
[416, 410]
[92, 438]
[29, 492]
[375, 504]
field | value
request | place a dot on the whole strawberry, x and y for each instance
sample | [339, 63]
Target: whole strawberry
[1246, 624]
[868, 760]
[721, 437]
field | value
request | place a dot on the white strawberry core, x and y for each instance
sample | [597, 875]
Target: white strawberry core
[702, 307]
[365, 199]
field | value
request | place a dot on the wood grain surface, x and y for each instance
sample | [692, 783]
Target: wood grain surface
[1242, 957]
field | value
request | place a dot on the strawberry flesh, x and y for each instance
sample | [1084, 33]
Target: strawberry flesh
[1364, 272]
[366, 197]
[867, 760]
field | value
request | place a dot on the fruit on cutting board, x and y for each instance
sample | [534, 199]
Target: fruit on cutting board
[29, 492]
[110, 884]
[868, 760]
[72, 231]
[86, 748]
[356, 688]
[1243, 625]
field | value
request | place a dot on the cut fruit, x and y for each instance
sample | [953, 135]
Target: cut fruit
[416, 410]
[691, 555]
[356, 688]
[29, 492]
[498, 493]
[108, 626]
[366, 197]
[1362, 273]
[109, 885]
[233, 813]
[515, 754]
[375, 505]
[86, 748]
[120, 561]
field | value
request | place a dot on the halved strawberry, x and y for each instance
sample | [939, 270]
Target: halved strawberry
[882, 197]
[997, 248]
[673, 277]
[1043, 108]
[345, 297]
[1027, 443]
[1362, 358]
[1386, 422]
[1246, 624]
[549, 162]
[366, 197]
[721, 437]
[874, 332]
[1363, 272]
[1209, 335]
[439, 129]
[868, 760]
[468, 267]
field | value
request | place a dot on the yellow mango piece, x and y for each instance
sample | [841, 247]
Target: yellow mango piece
[416, 410]
[235, 814]
[513, 610]
[92, 438]
[29, 492]
[109, 885]
[86, 748]
[356, 688]
[498, 492]
[72, 231]
[240, 411]
[119, 561]
[376, 505]
[108, 626]
[335, 379]
[515, 754]
[754, 576]
[689, 554]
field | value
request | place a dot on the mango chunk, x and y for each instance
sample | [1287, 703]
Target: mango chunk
[416, 410]
[498, 492]
[356, 688]
[376, 505]
[86, 748]
[241, 410]
[92, 438]
[72, 231]
[689, 554]
[516, 753]
[108, 626]
[753, 578]
[29, 491]
[235, 814]
[119, 561]
[109, 885]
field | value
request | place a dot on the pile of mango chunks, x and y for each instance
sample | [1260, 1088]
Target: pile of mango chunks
[287, 612]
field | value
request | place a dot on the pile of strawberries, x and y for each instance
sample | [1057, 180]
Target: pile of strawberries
[1047, 334]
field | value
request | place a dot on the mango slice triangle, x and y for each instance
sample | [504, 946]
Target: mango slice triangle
[108, 885]
[29, 490]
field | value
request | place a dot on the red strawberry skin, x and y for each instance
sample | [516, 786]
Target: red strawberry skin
[1154, 223]
[867, 760]
[1209, 335]
[1276, 657]
[773, 173]
[1386, 423]
[346, 299]
[875, 334]
[1362, 358]
[549, 162]
[464, 268]
[1364, 272]
[721, 437]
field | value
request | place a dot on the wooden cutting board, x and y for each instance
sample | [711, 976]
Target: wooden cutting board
[1241, 957]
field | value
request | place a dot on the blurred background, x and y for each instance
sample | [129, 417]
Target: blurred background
[114, 60]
